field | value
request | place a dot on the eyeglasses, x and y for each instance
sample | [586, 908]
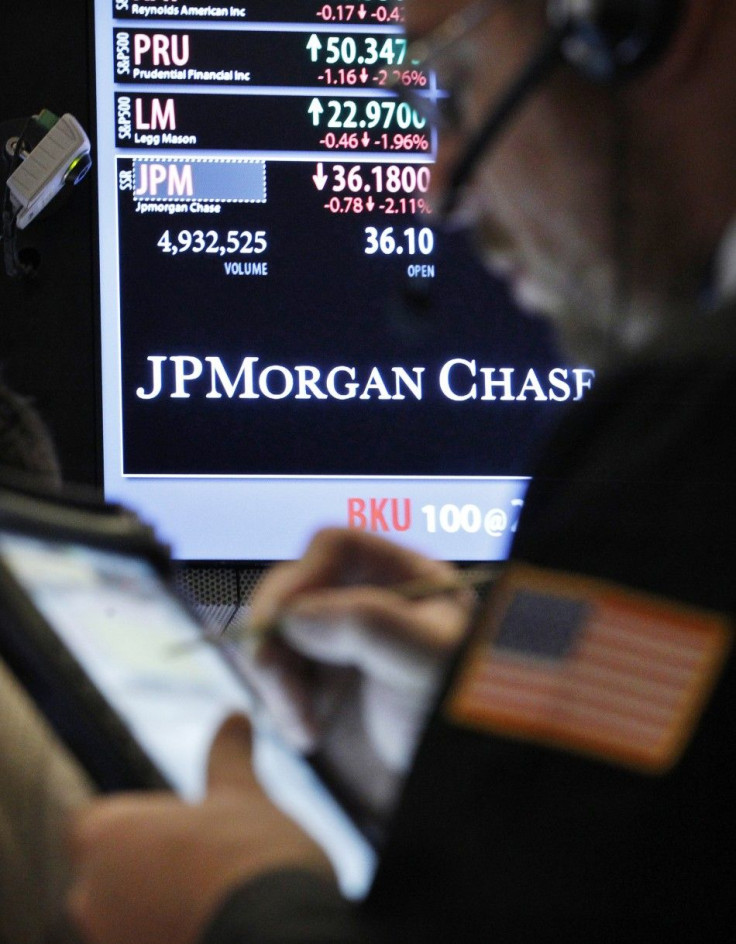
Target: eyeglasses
[442, 107]
[418, 86]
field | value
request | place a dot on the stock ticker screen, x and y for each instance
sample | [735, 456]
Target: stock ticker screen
[288, 338]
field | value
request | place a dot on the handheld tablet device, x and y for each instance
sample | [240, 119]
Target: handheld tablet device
[92, 628]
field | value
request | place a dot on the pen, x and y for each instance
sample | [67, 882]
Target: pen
[418, 588]
[470, 578]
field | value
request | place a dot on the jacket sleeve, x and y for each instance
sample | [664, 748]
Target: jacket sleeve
[287, 907]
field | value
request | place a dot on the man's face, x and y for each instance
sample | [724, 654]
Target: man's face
[539, 202]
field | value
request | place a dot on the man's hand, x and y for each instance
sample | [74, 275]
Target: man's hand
[356, 663]
[349, 573]
[151, 869]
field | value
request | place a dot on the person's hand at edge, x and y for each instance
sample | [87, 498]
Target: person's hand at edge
[152, 869]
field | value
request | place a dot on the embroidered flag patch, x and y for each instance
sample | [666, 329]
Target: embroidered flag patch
[589, 666]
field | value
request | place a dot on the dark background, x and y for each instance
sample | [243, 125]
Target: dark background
[48, 334]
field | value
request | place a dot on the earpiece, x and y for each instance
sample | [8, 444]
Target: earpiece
[604, 40]
[608, 40]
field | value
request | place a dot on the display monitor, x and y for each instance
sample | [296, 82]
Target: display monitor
[288, 338]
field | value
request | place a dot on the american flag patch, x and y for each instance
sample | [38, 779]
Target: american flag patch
[589, 666]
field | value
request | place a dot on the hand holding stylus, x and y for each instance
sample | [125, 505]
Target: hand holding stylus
[352, 639]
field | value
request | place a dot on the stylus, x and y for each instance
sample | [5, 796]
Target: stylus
[420, 588]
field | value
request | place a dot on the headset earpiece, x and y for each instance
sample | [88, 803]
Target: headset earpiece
[607, 40]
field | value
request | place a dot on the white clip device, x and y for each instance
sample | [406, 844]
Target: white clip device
[61, 157]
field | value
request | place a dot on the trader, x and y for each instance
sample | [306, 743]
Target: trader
[576, 778]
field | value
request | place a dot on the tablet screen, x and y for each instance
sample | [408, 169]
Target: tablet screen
[129, 634]
[132, 637]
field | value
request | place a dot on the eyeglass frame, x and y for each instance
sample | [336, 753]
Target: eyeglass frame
[448, 34]
[423, 52]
